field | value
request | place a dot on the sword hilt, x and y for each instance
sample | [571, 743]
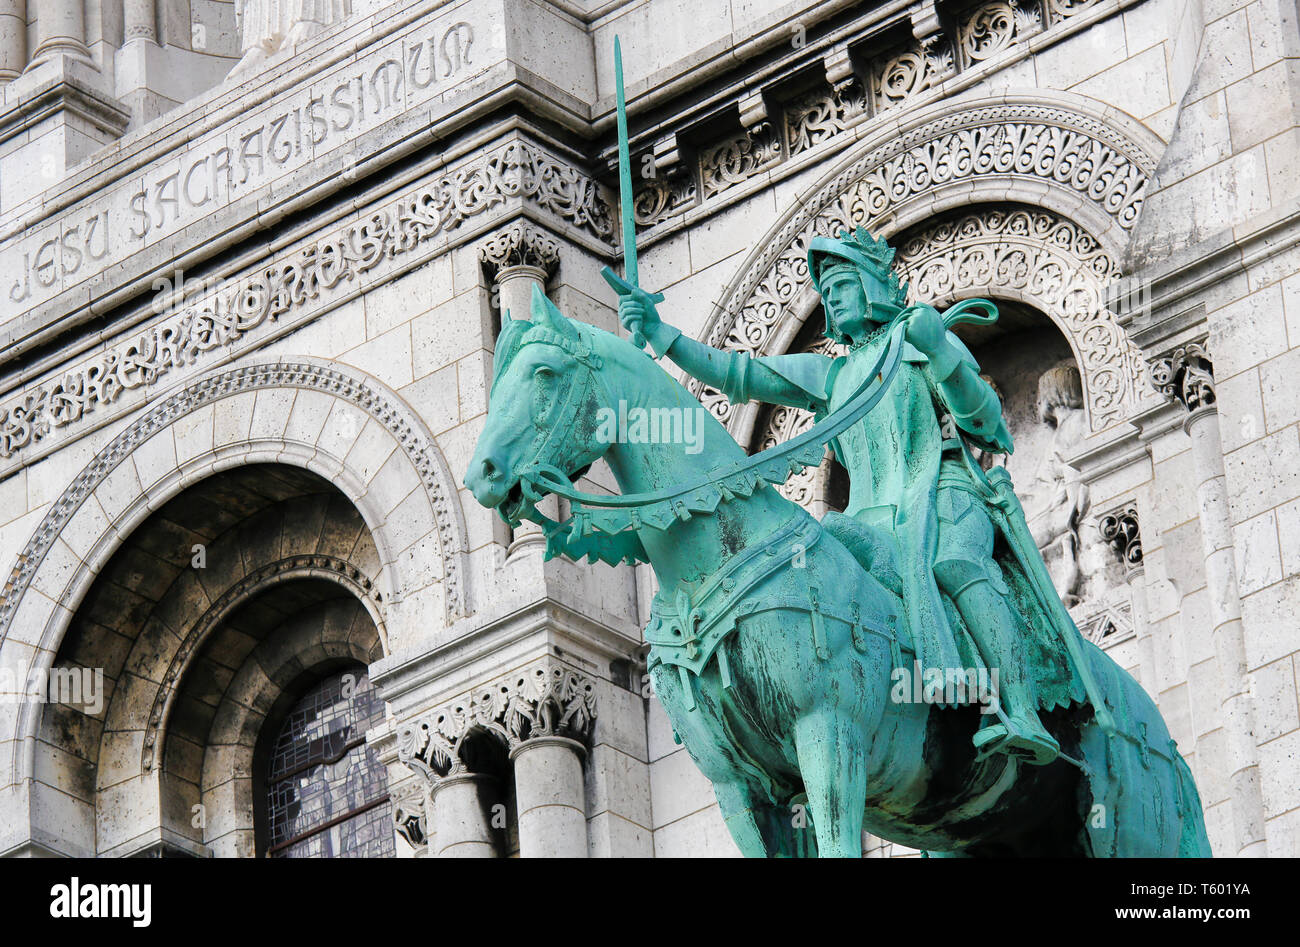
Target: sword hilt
[624, 288]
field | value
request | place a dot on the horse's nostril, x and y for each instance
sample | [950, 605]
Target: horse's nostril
[490, 470]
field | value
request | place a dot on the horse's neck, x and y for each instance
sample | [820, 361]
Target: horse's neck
[687, 552]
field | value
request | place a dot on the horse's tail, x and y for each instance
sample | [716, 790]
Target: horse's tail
[1192, 841]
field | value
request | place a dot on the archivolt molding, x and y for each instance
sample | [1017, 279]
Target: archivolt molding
[331, 568]
[545, 699]
[1057, 151]
[1043, 259]
[366, 394]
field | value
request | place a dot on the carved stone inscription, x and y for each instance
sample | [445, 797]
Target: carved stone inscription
[229, 162]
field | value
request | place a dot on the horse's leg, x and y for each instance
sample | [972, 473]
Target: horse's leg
[736, 801]
[760, 829]
[832, 762]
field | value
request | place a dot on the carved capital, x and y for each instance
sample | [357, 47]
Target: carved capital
[519, 244]
[1120, 530]
[1185, 375]
[411, 813]
[545, 699]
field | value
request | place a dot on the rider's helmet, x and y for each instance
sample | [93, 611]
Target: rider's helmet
[871, 260]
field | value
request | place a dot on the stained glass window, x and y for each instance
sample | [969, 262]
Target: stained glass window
[327, 792]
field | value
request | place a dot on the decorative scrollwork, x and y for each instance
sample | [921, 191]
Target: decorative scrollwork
[1051, 260]
[423, 453]
[1061, 148]
[1120, 530]
[822, 113]
[737, 158]
[995, 27]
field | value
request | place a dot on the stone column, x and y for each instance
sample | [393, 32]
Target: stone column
[545, 714]
[461, 828]
[13, 39]
[1120, 530]
[1187, 375]
[550, 798]
[515, 260]
[139, 21]
[60, 31]
[556, 716]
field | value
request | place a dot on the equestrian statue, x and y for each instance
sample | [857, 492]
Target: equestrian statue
[905, 667]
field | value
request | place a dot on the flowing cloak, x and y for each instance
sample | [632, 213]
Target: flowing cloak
[893, 457]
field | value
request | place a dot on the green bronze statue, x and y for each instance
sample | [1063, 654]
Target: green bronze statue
[905, 667]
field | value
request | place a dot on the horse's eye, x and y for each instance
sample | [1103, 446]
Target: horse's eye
[543, 371]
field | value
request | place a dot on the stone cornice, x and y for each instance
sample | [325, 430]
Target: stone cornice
[1168, 310]
[62, 88]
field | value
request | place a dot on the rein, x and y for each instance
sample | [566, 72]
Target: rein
[604, 526]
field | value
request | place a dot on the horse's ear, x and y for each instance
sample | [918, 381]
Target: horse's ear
[546, 313]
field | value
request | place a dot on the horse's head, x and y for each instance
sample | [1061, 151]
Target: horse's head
[542, 408]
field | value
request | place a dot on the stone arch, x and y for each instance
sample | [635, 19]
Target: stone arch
[390, 469]
[1083, 164]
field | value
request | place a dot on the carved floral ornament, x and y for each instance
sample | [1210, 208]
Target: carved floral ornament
[548, 699]
[520, 244]
[1056, 263]
[1120, 530]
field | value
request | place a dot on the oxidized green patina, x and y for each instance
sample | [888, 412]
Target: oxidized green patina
[904, 667]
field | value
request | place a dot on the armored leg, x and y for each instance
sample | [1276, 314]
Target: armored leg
[968, 574]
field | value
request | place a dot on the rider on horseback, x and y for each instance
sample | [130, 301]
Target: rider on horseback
[911, 472]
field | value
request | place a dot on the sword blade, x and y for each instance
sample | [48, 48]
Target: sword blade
[624, 172]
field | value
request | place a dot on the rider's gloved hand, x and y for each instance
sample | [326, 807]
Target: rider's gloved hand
[638, 314]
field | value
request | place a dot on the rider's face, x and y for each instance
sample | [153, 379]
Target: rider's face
[845, 302]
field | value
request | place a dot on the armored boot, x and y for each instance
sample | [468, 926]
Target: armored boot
[1018, 731]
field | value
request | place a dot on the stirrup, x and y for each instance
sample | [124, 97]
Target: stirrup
[1034, 749]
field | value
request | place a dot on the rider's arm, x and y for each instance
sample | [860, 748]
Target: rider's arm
[974, 404]
[800, 381]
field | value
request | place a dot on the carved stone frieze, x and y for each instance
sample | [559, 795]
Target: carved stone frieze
[293, 282]
[546, 699]
[1038, 144]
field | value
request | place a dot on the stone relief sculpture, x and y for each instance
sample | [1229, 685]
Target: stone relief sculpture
[269, 28]
[1056, 499]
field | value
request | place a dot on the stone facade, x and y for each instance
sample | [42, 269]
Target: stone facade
[254, 258]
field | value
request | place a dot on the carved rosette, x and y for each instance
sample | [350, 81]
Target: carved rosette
[1185, 375]
[520, 244]
[545, 700]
